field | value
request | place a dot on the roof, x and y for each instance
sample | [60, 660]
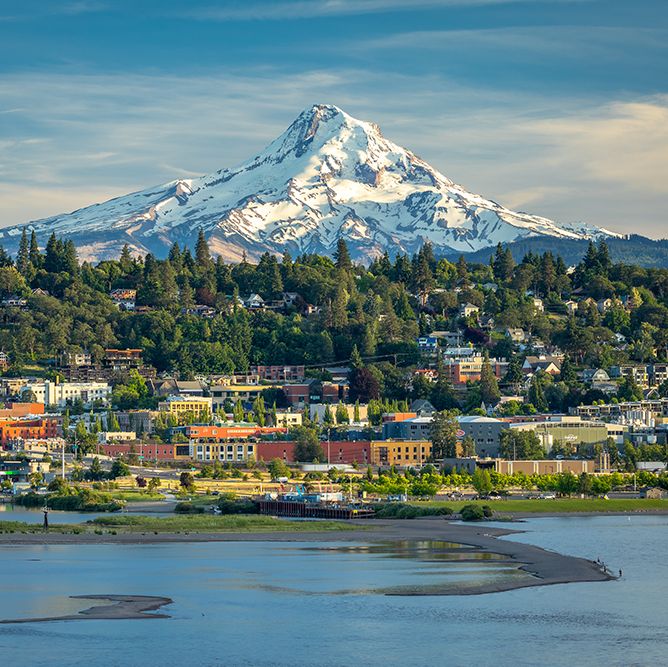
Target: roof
[478, 419]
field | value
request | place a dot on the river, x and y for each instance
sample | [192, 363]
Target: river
[293, 604]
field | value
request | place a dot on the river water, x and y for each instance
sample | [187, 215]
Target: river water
[293, 604]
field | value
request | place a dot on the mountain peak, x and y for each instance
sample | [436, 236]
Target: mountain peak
[327, 176]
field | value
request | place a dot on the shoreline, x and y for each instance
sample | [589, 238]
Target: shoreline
[543, 567]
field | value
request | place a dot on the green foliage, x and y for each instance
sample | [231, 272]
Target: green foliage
[307, 445]
[518, 444]
[472, 512]
[277, 469]
[443, 435]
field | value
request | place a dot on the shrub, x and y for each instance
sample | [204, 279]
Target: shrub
[472, 513]
[188, 508]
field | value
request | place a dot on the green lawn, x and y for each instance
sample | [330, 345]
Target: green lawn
[559, 505]
[136, 496]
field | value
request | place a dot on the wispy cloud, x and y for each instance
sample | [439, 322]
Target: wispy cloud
[301, 9]
[561, 41]
[77, 139]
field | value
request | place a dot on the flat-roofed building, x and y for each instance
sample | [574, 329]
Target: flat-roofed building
[404, 453]
[200, 406]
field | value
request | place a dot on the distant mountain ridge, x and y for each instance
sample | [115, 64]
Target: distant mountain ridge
[633, 249]
[327, 176]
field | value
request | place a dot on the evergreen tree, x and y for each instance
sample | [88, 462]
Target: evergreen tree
[489, 387]
[342, 414]
[462, 269]
[342, 256]
[126, 262]
[568, 374]
[23, 256]
[443, 435]
[238, 413]
[202, 254]
[536, 396]
[35, 256]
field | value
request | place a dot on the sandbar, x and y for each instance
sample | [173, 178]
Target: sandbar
[123, 607]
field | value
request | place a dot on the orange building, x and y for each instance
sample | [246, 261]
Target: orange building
[28, 429]
[16, 410]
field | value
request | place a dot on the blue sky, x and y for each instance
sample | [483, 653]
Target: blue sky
[558, 107]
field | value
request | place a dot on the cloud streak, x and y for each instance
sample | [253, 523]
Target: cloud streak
[304, 9]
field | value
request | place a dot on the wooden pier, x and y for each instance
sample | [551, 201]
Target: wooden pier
[311, 510]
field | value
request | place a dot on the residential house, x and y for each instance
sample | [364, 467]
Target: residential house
[468, 310]
[516, 335]
[14, 301]
[200, 310]
[547, 363]
[604, 305]
[427, 344]
[571, 306]
[422, 407]
[125, 299]
[254, 302]
[538, 305]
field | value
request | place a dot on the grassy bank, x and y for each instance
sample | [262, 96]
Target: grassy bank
[558, 505]
[207, 523]
[117, 524]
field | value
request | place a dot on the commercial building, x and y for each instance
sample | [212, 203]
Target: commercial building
[62, 394]
[246, 393]
[545, 467]
[197, 433]
[404, 453]
[16, 410]
[116, 436]
[281, 374]
[566, 430]
[151, 451]
[222, 451]
[485, 431]
[13, 432]
[417, 428]
[199, 406]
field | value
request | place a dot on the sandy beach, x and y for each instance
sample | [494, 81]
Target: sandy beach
[543, 567]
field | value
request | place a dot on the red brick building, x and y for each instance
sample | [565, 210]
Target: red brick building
[149, 450]
[340, 451]
[279, 373]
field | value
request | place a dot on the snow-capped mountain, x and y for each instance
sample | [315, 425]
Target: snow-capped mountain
[327, 176]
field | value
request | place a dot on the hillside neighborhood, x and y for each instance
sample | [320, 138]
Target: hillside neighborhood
[532, 368]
